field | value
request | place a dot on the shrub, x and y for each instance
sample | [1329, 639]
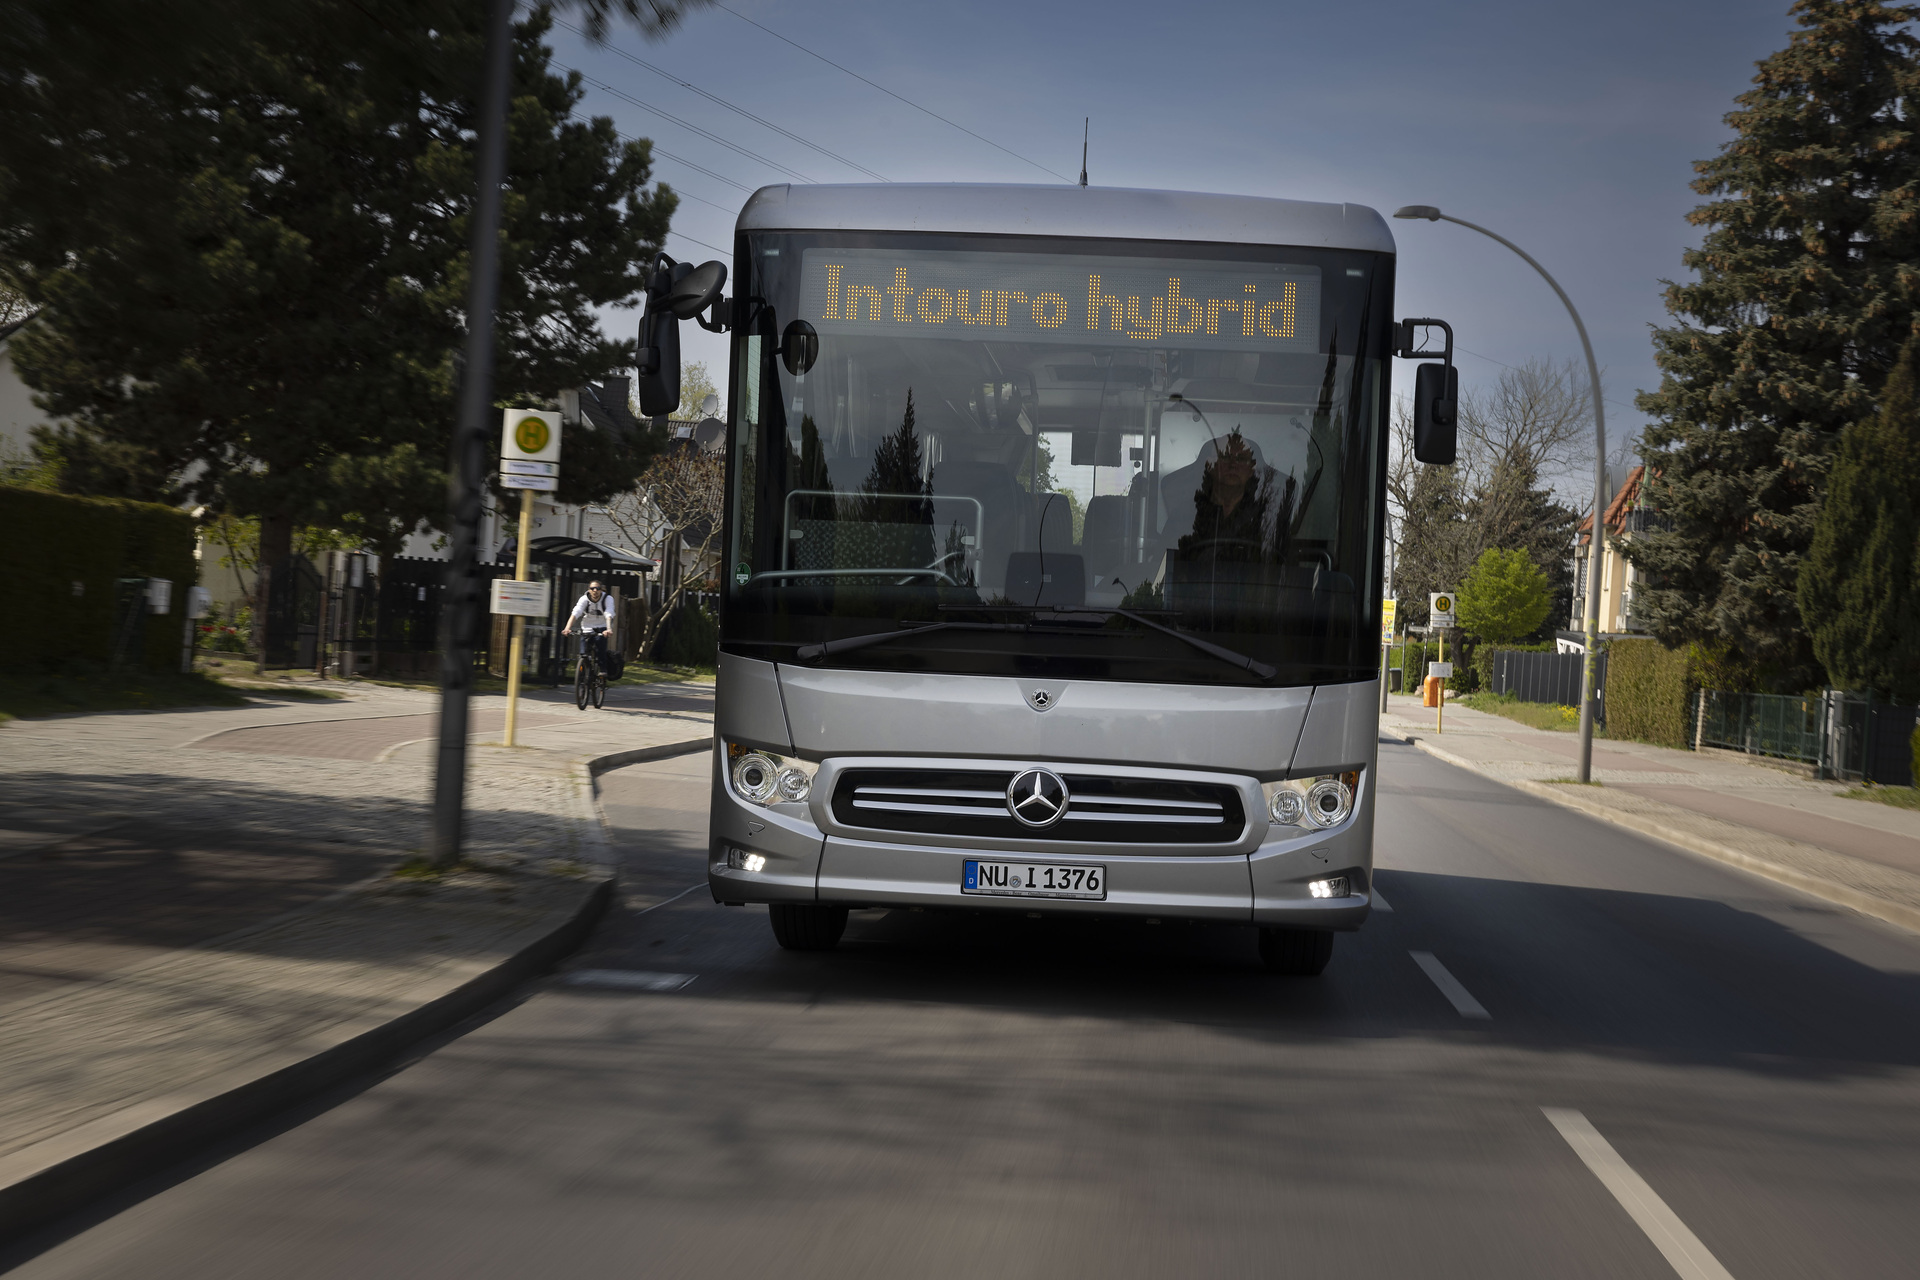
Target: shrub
[1647, 693]
[1505, 596]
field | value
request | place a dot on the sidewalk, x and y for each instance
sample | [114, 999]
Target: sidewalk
[1761, 818]
[199, 920]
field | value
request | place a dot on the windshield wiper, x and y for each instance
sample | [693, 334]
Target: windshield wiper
[1207, 647]
[815, 652]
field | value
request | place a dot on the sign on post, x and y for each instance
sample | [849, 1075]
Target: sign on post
[1440, 609]
[1442, 669]
[1387, 608]
[530, 450]
[523, 599]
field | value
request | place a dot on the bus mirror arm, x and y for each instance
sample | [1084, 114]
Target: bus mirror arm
[1436, 393]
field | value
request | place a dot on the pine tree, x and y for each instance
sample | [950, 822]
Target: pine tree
[251, 253]
[1860, 581]
[1805, 292]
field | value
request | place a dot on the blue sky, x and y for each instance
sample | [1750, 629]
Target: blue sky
[1569, 129]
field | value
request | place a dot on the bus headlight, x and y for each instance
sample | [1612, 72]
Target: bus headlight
[1310, 803]
[1329, 801]
[763, 778]
[1288, 807]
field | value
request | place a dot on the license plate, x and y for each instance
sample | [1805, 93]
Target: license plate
[1034, 879]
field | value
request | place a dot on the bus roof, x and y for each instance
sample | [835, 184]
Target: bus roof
[1116, 213]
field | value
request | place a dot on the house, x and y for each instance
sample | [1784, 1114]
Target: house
[692, 555]
[18, 413]
[1625, 516]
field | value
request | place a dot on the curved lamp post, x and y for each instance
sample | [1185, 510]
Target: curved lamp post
[1590, 673]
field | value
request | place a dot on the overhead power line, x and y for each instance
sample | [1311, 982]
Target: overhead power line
[702, 243]
[697, 168]
[737, 110]
[891, 94]
[688, 125]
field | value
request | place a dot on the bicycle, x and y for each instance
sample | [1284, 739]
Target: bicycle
[589, 677]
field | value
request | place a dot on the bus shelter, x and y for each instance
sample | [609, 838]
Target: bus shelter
[570, 564]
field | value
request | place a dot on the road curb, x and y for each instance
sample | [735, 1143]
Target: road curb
[641, 755]
[1894, 913]
[71, 1180]
[31, 1201]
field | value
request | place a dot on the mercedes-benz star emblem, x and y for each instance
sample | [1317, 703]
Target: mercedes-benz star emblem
[1037, 797]
[1040, 699]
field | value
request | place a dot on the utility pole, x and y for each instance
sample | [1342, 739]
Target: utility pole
[466, 471]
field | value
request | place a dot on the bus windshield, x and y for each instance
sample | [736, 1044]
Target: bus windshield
[1079, 455]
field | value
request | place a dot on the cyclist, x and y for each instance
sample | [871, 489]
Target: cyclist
[594, 616]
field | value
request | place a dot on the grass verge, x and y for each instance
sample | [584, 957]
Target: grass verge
[1537, 715]
[64, 692]
[1898, 797]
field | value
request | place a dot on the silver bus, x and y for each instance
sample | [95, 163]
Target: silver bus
[1052, 566]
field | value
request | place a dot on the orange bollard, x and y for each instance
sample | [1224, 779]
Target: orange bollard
[1430, 691]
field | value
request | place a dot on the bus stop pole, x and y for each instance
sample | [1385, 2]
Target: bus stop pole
[519, 621]
[466, 471]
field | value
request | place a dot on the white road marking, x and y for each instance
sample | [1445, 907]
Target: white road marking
[1682, 1249]
[635, 902]
[1449, 985]
[1379, 902]
[628, 979]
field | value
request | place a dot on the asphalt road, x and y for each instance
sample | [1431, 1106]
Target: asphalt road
[967, 1096]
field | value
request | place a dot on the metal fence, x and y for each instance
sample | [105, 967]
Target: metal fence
[1761, 724]
[1853, 737]
[1546, 677]
[1866, 740]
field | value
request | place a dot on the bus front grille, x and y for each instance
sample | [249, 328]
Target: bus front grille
[974, 803]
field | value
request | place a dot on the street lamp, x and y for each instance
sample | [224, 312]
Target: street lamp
[1590, 674]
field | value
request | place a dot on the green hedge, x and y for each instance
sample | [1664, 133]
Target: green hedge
[690, 637]
[59, 543]
[1648, 688]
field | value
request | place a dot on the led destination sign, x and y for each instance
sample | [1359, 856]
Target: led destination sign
[1028, 297]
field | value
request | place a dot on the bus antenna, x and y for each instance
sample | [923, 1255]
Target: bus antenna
[1086, 126]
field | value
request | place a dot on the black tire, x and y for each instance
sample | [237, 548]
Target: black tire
[807, 928]
[599, 687]
[581, 682]
[1302, 953]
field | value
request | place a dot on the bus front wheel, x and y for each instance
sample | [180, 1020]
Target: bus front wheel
[1300, 952]
[807, 928]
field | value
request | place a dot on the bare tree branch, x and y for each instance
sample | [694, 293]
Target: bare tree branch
[675, 514]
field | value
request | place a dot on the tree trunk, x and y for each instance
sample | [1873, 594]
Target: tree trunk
[276, 540]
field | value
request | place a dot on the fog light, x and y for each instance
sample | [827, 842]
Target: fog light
[1331, 887]
[741, 860]
[754, 777]
[1289, 808]
[792, 784]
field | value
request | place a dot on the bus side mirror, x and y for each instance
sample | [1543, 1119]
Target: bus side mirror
[1436, 397]
[690, 294]
[1436, 393]
[799, 347]
[677, 291]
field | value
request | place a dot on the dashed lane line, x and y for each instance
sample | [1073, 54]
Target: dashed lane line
[1689, 1258]
[1450, 986]
[627, 979]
